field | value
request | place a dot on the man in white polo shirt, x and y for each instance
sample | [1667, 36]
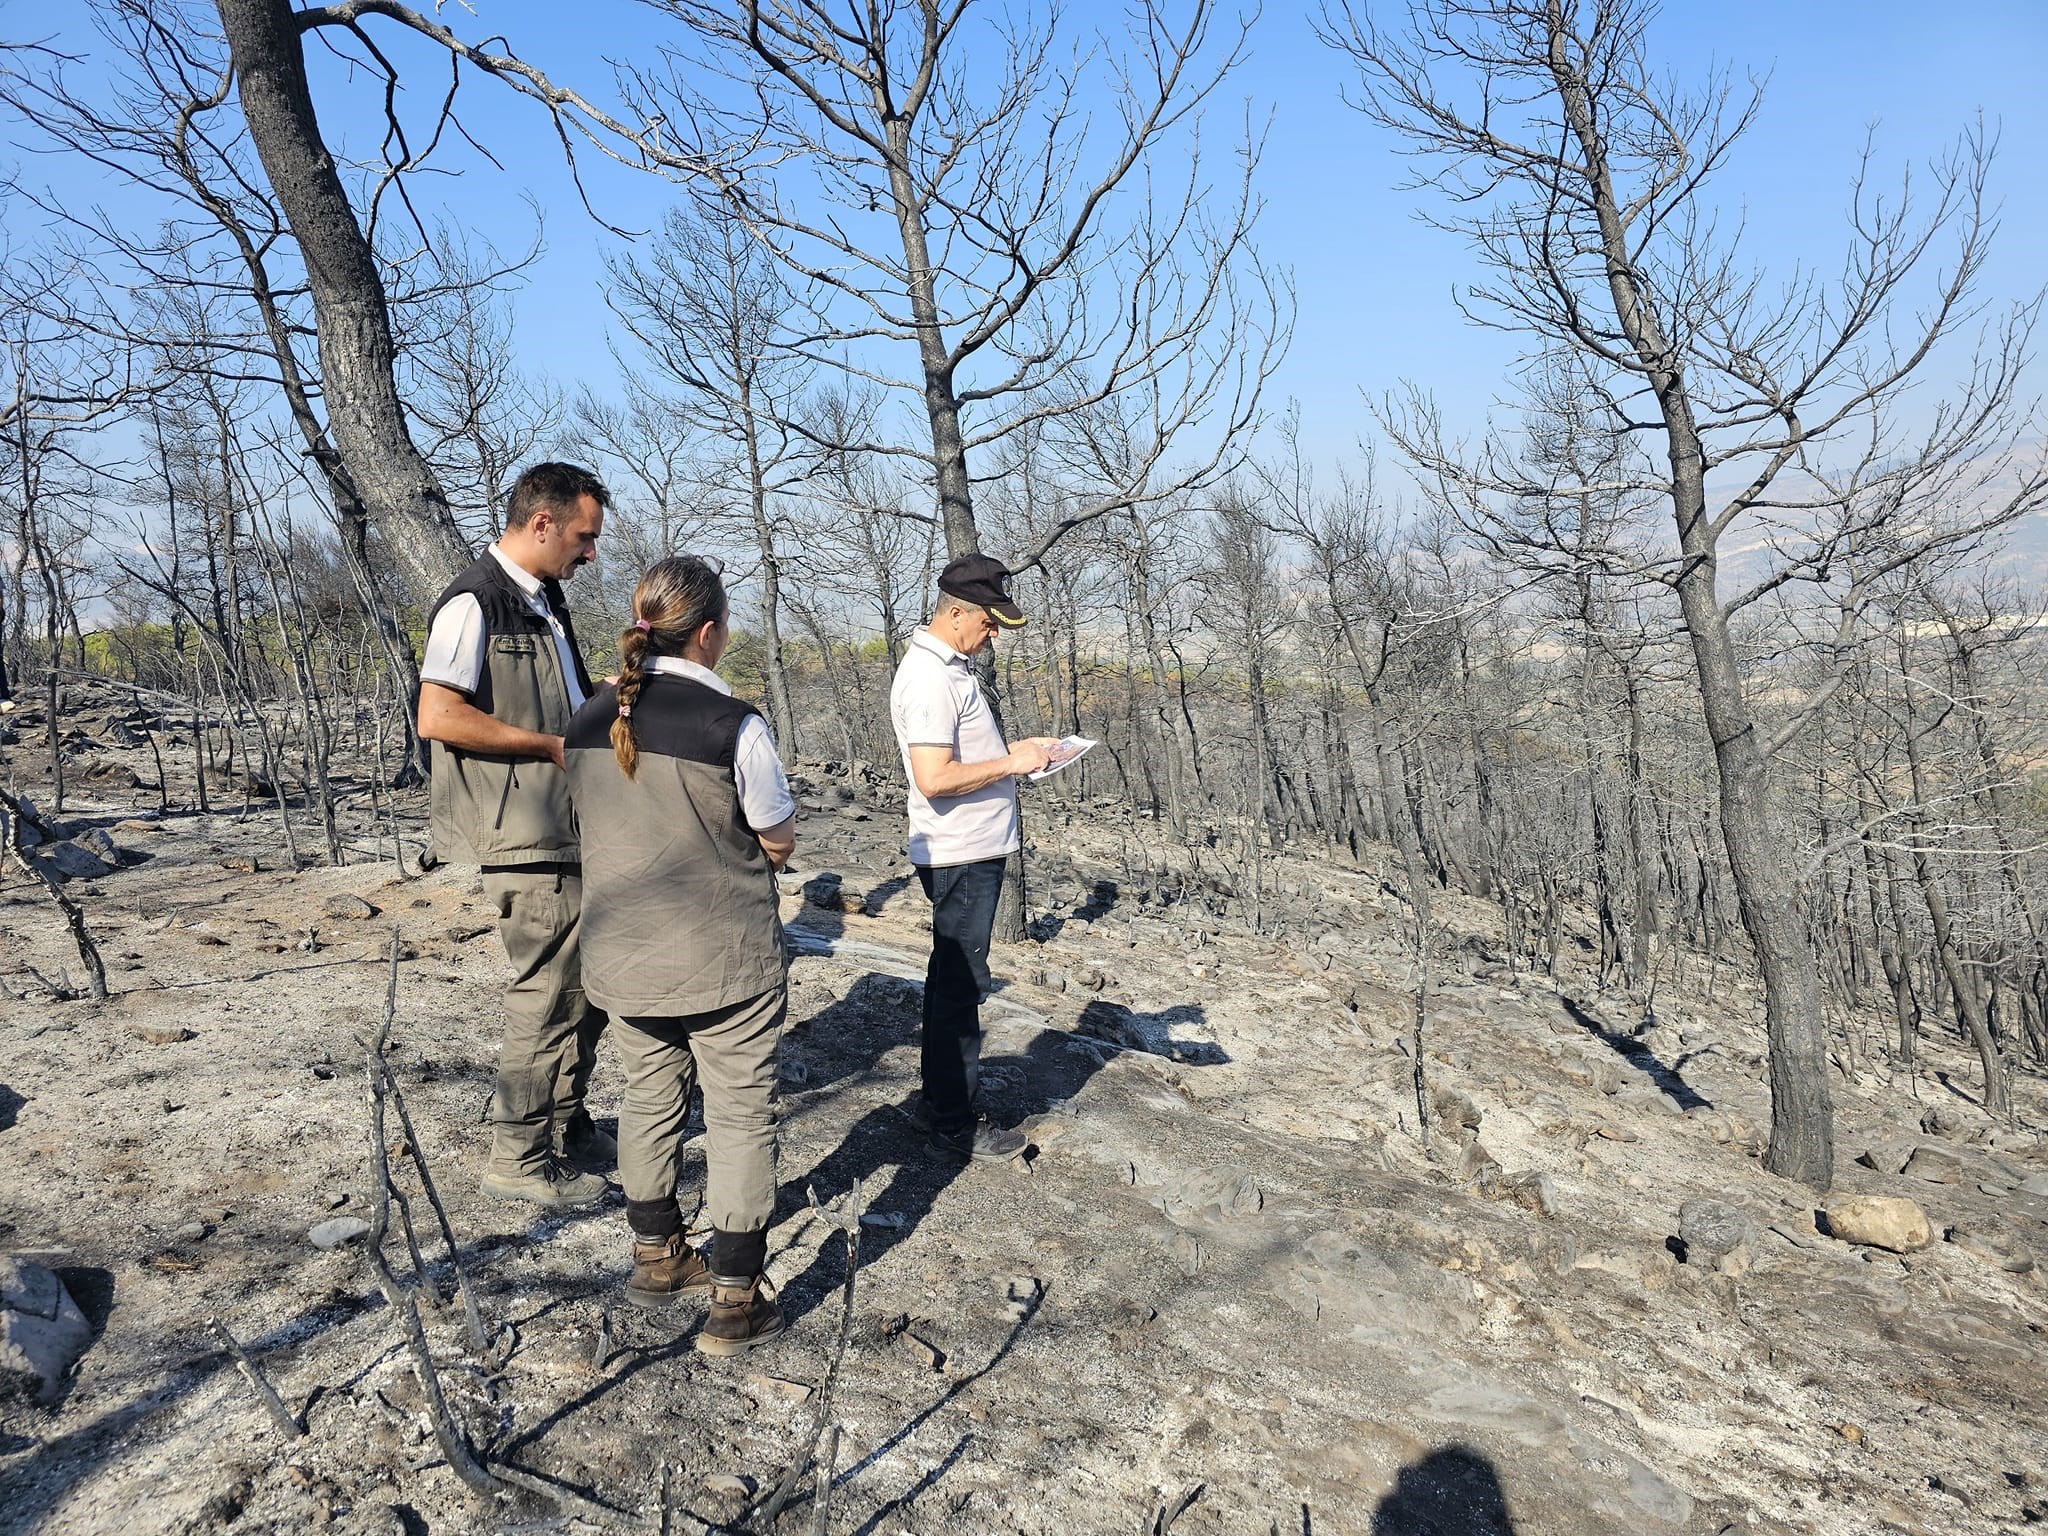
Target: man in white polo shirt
[963, 828]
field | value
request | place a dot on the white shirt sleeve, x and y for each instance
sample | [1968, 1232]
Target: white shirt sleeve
[931, 717]
[757, 774]
[455, 645]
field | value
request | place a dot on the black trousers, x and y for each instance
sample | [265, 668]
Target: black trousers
[963, 898]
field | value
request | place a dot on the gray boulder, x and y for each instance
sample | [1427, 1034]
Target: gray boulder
[42, 1332]
[1711, 1230]
[99, 842]
[1937, 1165]
[69, 861]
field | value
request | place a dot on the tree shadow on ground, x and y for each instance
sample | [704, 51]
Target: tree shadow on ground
[39, 1482]
[10, 1107]
[879, 1013]
[1450, 1492]
[1101, 901]
[1639, 1056]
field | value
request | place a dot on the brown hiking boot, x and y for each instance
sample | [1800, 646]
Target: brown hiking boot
[741, 1317]
[663, 1271]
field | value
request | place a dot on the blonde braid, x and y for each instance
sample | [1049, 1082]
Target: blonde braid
[676, 597]
[632, 658]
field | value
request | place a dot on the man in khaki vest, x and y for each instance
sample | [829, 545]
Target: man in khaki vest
[501, 677]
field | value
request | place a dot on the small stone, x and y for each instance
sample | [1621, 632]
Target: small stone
[1023, 1288]
[926, 1353]
[726, 1485]
[1711, 1230]
[1533, 1192]
[1942, 1120]
[99, 843]
[242, 863]
[1474, 1160]
[2034, 1184]
[155, 1035]
[1886, 1157]
[339, 1230]
[1853, 1433]
[193, 1232]
[779, 1386]
[1879, 1221]
[347, 908]
[1937, 1165]
[1455, 1110]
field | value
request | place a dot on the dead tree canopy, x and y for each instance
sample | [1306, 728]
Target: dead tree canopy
[1577, 175]
[358, 377]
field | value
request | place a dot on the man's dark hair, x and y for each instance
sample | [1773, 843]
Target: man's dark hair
[557, 487]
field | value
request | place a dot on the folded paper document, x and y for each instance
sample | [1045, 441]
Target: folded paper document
[1070, 749]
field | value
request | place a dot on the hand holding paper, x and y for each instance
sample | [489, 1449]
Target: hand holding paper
[1068, 749]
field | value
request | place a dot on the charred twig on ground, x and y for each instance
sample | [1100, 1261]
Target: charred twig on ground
[1162, 1523]
[285, 1418]
[454, 1446]
[19, 816]
[766, 1512]
[479, 1339]
[821, 1501]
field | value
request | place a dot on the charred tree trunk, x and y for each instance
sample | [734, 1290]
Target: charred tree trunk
[353, 319]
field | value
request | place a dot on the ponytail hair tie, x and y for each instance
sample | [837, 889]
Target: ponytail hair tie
[625, 711]
[642, 624]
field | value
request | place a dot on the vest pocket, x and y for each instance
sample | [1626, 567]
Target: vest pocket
[505, 795]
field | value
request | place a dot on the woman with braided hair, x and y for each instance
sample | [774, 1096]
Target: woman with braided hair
[685, 816]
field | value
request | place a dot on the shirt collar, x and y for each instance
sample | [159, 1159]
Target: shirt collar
[939, 648]
[525, 579]
[682, 666]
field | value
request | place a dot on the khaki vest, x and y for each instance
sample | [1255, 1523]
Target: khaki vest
[486, 808]
[679, 908]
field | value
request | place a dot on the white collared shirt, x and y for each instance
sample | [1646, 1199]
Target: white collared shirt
[756, 766]
[935, 702]
[456, 644]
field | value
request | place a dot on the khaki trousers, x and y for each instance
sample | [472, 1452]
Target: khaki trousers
[732, 1051]
[551, 1029]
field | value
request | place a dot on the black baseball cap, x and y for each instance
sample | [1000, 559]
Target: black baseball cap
[984, 581]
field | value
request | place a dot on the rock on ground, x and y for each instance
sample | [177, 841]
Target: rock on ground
[1880, 1221]
[42, 1331]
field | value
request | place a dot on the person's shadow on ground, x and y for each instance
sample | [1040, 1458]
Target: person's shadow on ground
[880, 1013]
[1451, 1492]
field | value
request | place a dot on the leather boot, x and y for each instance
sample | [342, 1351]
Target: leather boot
[663, 1271]
[741, 1316]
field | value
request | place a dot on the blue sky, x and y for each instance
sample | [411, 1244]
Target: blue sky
[1374, 284]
